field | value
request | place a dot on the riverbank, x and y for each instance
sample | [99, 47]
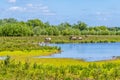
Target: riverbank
[21, 48]
[62, 39]
[31, 53]
[65, 39]
[87, 39]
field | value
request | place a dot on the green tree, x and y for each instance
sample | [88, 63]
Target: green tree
[16, 29]
[80, 25]
[39, 31]
[35, 22]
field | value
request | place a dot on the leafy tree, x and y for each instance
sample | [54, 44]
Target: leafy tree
[35, 22]
[9, 20]
[47, 24]
[66, 24]
[80, 25]
[52, 31]
[39, 31]
[16, 30]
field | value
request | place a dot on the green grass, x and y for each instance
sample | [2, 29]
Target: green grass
[88, 39]
[60, 39]
[59, 69]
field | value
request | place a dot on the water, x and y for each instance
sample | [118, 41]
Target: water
[87, 51]
[2, 58]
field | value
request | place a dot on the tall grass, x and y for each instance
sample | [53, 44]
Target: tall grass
[10, 70]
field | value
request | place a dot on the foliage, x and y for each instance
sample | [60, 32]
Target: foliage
[28, 71]
[12, 27]
[16, 29]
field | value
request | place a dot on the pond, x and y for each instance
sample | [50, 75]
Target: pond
[87, 51]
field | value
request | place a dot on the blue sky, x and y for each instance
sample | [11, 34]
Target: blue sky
[92, 12]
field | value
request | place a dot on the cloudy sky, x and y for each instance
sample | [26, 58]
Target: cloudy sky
[92, 12]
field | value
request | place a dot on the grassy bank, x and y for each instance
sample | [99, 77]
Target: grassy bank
[22, 48]
[62, 39]
[28, 53]
[88, 39]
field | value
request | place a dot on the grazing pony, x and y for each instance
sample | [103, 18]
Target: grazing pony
[47, 39]
[79, 38]
[73, 38]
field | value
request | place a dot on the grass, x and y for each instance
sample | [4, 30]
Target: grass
[88, 39]
[61, 39]
[28, 53]
[59, 69]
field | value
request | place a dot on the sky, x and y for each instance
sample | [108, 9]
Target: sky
[92, 12]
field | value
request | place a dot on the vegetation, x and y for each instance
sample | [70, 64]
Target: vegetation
[29, 42]
[22, 43]
[35, 27]
[11, 70]
[24, 47]
[61, 39]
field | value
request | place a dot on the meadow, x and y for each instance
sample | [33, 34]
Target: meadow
[61, 39]
[59, 69]
[85, 39]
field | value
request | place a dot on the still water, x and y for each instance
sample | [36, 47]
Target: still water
[2, 58]
[87, 51]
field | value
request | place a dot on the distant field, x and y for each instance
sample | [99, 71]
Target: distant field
[87, 39]
[63, 39]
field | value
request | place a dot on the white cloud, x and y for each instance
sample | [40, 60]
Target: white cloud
[40, 8]
[103, 19]
[16, 8]
[36, 9]
[103, 16]
[43, 7]
[30, 5]
[102, 13]
[12, 1]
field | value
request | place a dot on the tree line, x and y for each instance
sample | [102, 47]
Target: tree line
[35, 27]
